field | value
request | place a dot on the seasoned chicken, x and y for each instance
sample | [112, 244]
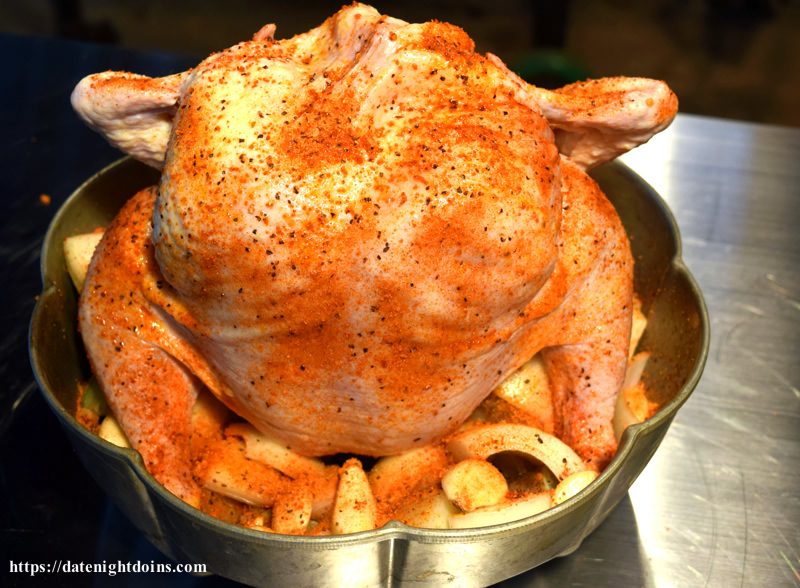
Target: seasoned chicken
[359, 232]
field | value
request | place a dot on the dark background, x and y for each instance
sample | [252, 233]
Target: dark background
[731, 58]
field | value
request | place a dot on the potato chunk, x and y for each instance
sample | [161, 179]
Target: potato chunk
[474, 483]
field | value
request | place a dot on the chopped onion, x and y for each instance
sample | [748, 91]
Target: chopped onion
[482, 441]
[355, 509]
[572, 484]
[112, 432]
[430, 511]
[395, 476]
[528, 389]
[261, 447]
[626, 413]
[638, 325]
[78, 251]
[502, 513]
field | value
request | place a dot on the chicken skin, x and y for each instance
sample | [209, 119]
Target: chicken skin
[359, 232]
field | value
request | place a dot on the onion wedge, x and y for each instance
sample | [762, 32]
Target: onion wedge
[572, 484]
[483, 441]
[528, 389]
[78, 251]
[355, 509]
[394, 477]
[261, 447]
[112, 432]
[502, 513]
[432, 510]
[638, 325]
[632, 406]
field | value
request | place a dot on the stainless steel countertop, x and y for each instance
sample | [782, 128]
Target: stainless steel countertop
[719, 504]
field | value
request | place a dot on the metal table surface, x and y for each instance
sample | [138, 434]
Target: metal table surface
[719, 503]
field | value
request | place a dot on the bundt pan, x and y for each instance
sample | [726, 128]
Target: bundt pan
[677, 336]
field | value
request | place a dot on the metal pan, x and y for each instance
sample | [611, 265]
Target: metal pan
[677, 335]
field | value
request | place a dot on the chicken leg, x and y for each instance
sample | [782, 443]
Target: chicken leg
[586, 366]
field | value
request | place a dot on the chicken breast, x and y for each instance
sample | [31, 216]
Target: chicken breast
[360, 231]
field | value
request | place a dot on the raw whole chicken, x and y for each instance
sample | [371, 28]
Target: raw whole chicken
[358, 233]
